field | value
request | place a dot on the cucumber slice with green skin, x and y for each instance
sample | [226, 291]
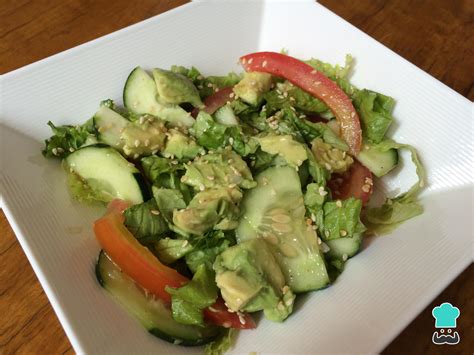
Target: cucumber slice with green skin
[152, 313]
[226, 116]
[140, 96]
[274, 211]
[107, 172]
[378, 161]
[110, 125]
[344, 246]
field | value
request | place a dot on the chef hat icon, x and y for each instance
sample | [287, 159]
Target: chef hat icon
[445, 315]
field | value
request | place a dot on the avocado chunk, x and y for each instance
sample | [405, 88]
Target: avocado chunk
[285, 146]
[216, 208]
[253, 86]
[180, 145]
[333, 159]
[275, 212]
[250, 280]
[174, 88]
[140, 97]
[169, 250]
[145, 136]
[214, 170]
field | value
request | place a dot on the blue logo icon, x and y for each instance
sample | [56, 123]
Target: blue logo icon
[445, 316]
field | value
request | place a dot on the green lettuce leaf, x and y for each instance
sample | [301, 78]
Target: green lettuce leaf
[286, 95]
[66, 139]
[337, 73]
[207, 247]
[213, 135]
[311, 130]
[375, 111]
[163, 173]
[169, 250]
[207, 85]
[384, 219]
[341, 219]
[314, 199]
[167, 201]
[223, 343]
[145, 222]
[188, 301]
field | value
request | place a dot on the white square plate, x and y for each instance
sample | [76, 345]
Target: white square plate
[382, 289]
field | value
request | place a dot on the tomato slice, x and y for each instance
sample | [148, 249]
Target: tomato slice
[314, 83]
[216, 100]
[356, 182]
[142, 266]
[218, 314]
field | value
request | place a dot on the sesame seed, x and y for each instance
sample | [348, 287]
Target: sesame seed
[264, 64]
[264, 108]
[314, 71]
[244, 61]
[226, 324]
[155, 212]
[343, 233]
[216, 90]
[327, 166]
[319, 241]
[322, 192]
[71, 149]
[55, 151]
[368, 181]
[201, 187]
[147, 142]
[339, 203]
[135, 156]
[353, 114]
[231, 186]
[366, 188]
[142, 120]
[231, 95]
[174, 162]
[280, 96]
[137, 143]
[209, 85]
[285, 94]
[228, 102]
[212, 309]
[200, 87]
[210, 177]
[326, 233]
[250, 60]
[231, 140]
[309, 221]
[200, 77]
[242, 319]
[185, 243]
[313, 217]
[154, 151]
[292, 98]
[184, 178]
[344, 257]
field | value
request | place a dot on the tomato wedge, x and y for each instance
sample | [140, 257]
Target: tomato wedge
[216, 100]
[142, 266]
[356, 182]
[314, 83]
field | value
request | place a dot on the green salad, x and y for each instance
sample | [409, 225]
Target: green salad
[229, 195]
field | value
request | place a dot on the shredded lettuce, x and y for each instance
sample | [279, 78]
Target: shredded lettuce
[342, 219]
[169, 250]
[207, 247]
[375, 111]
[223, 344]
[145, 222]
[188, 301]
[384, 219]
[66, 139]
[207, 85]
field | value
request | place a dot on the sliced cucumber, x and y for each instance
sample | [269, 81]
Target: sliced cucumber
[274, 211]
[107, 172]
[226, 116]
[378, 161]
[152, 313]
[344, 246]
[110, 125]
[140, 97]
